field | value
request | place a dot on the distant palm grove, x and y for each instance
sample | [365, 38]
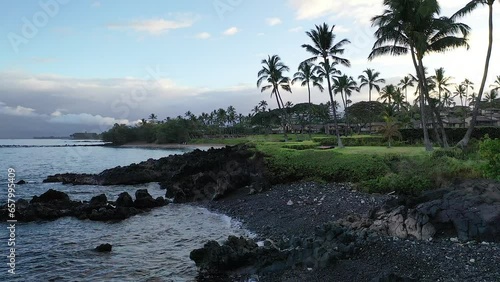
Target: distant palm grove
[415, 28]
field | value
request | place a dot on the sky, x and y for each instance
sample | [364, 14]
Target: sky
[83, 65]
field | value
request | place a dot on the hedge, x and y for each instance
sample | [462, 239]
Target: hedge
[415, 136]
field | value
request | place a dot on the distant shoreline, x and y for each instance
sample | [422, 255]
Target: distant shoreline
[170, 146]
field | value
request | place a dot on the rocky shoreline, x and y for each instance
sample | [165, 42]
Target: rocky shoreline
[311, 231]
[307, 212]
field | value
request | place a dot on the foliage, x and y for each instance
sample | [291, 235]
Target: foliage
[293, 165]
[415, 136]
[120, 134]
[366, 112]
[490, 151]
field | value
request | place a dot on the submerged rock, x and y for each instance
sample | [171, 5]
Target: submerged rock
[104, 248]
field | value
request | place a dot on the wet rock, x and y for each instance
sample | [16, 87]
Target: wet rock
[144, 200]
[98, 201]
[195, 176]
[51, 196]
[54, 204]
[21, 182]
[104, 248]
[124, 200]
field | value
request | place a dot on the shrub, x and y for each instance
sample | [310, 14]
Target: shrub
[490, 151]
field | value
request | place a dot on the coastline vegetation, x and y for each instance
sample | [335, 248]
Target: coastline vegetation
[400, 155]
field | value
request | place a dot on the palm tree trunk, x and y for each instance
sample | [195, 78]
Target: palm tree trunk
[465, 141]
[310, 110]
[339, 141]
[427, 142]
[283, 110]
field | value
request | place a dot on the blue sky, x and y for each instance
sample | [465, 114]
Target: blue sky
[89, 63]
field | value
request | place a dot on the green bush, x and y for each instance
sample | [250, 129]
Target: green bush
[292, 165]
[415, 136]
[490, 151]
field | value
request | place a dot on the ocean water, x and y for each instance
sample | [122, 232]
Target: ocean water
[152, 246]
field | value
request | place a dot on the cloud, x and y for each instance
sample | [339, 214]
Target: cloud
[231, 31]
[203, 35]
[17, 111]
[43, 60]
[361, 10]
[154, 26]
[261, 34]
[273, 21]
[296, 29]
[96, 4]
[86, 119]
[341, 29]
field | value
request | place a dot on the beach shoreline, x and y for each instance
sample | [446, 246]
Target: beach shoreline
[143, 145]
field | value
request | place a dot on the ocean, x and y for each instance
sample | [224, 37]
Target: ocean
[153, 246]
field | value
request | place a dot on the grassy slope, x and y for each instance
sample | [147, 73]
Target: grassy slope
[407, 170]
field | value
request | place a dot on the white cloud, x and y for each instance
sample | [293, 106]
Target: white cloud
[203, 35]
[96, 4]
[231, 31]
[296, 29]
[341, 29]
[273, 21]
[85, 119]
[17, 111]
[155, 26]
[361, 10]
[261, 34]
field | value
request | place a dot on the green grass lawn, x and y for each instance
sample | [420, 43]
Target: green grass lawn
[408, 151]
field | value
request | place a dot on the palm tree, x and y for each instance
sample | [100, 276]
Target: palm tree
[371, 79]
[262, 105]
[387, 94]
[306, 74]
[442, 82]
[460, 92]
[345, 86]
[272, 72]
[324, 47]
[467, 84]
[490, 98]
[153, 118]
[496, 84]
[415, 27]
[391, 127]
[471, 6]
[404, 83]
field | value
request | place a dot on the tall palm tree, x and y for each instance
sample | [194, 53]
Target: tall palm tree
[345, 85]
[468, 84]
[272, 73]
[460, 92]
[307, 74]
[490, 98]
[471, 6]
[416, 27]
[324, 47]
[404, 83]
[153, 118]
[388, 93]
[442, 82]
[370, 79]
